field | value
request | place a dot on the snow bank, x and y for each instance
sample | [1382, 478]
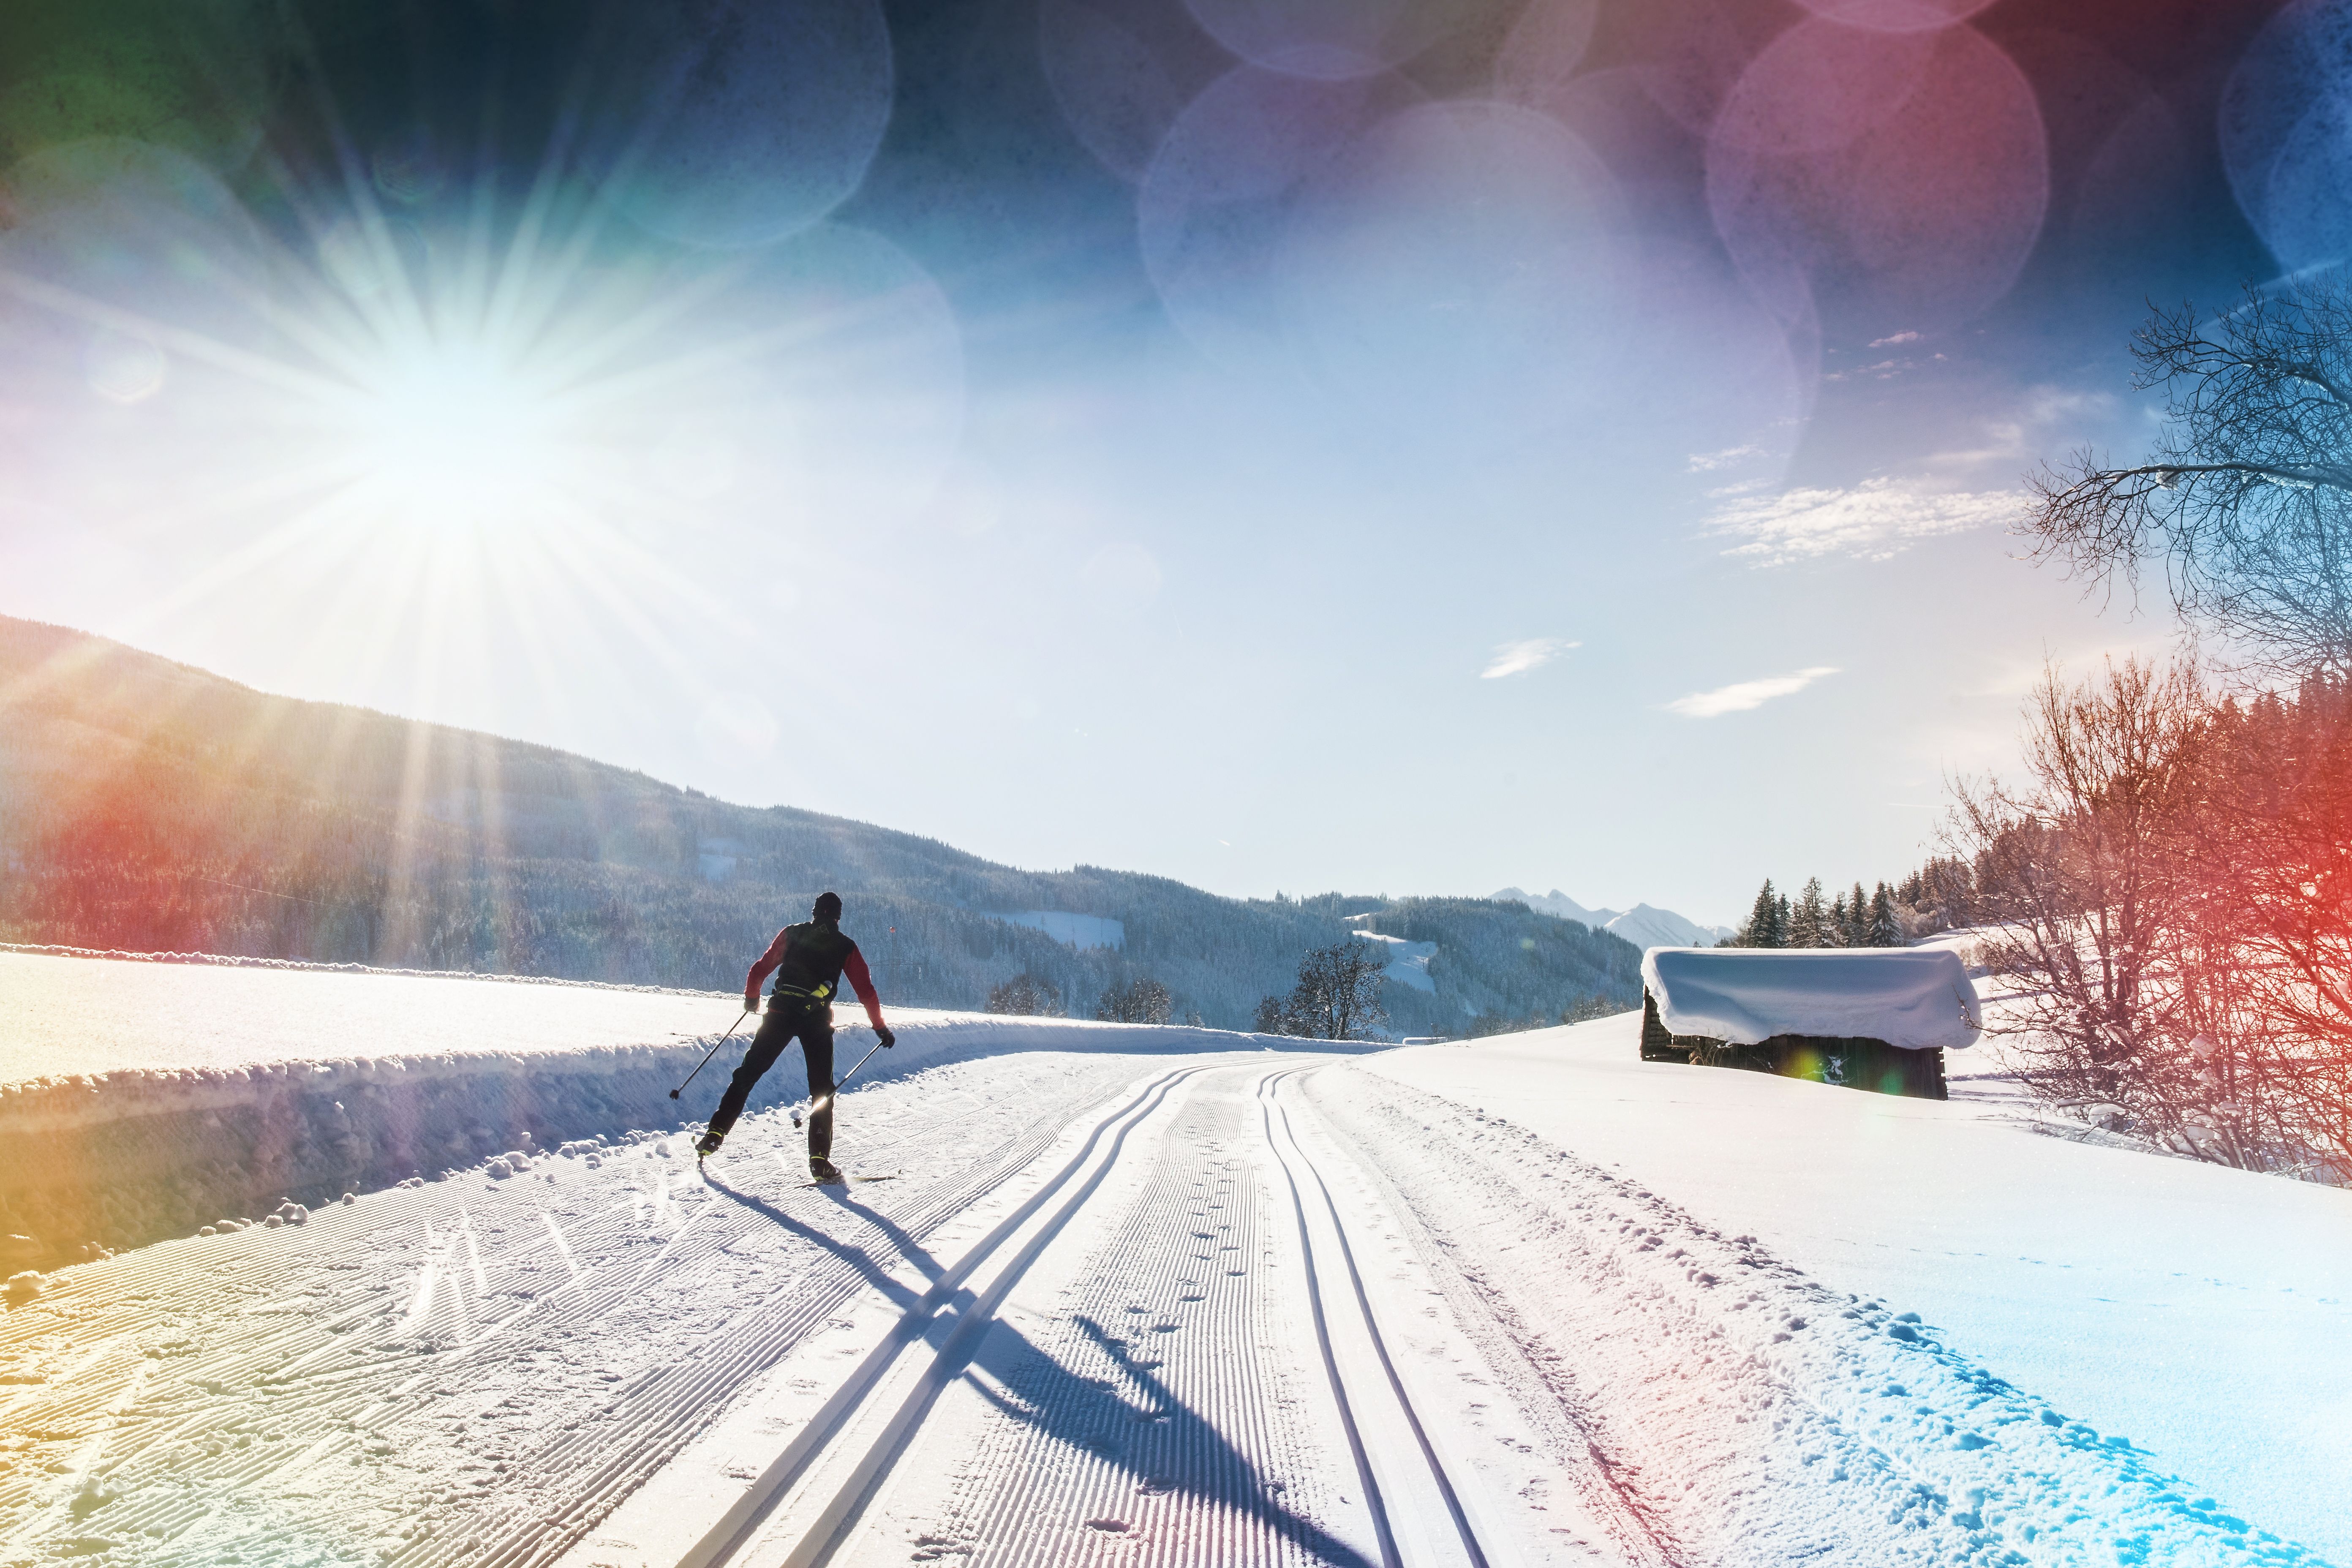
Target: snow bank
[1917, 998]
[140, 1100]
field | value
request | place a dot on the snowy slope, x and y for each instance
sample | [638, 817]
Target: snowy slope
[1081, 932]
[1408, 961]
[2201, 1316]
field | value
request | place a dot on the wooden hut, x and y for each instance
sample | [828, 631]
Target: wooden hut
[1873, 1018]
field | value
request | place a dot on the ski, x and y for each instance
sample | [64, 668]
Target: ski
[846, 1180]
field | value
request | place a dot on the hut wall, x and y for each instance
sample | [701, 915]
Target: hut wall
[1853, 1063]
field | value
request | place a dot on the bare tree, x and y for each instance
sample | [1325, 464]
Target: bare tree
[2247, 495]
[1338, 996]
[2080, 868]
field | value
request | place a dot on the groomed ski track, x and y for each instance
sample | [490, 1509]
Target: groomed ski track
[1258, 1307]
[1166, 1352]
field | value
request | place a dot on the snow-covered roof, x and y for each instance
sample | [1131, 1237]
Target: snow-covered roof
[1919, 998]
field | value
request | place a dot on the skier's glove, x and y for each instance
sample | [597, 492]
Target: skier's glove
[751, 1002]
[887, 1038]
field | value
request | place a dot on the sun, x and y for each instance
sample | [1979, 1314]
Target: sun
[454, 437]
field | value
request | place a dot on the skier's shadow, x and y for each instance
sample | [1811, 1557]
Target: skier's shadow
[857, 1258]
[1162, 1444]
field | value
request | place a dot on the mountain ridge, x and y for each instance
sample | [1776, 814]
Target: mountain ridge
[149, 805]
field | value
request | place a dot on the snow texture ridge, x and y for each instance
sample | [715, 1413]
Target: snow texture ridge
[1917, 998]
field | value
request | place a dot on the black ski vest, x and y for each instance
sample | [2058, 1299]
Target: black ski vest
[812, 960]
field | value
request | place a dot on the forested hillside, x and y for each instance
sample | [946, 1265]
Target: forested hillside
[148, 805]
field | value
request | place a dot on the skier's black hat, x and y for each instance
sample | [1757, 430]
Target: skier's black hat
[827, 907]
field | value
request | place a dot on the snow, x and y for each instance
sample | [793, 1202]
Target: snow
[63, 1015]
[1081, 932]
[139, 1100]
[1408, 961]
[1156, 1294]
[1917, 998]
[2201, 1315]
[1646, 927]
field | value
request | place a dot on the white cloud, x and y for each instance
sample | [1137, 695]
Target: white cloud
[2028, 429]
[1518, 657]
[1742, 696]
[1872, 520]
[1708, 462]
[1897, 338]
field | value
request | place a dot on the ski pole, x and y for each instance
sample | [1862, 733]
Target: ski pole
[840, 1086]
[714, 1051]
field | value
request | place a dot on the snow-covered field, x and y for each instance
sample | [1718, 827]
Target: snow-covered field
[1198, 1301]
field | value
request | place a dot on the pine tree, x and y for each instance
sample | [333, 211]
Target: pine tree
[1808, 922]
[1840, 923]
[1886, 930]
[1765, 920]
[1857, 913]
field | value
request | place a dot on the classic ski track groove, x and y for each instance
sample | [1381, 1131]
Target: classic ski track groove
[1635, 1530]
[738, 1536]
[307, 1405]
[1274, 1112]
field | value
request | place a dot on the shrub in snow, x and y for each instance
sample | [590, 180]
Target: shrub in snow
[22, 1288]
[272, 1221]
[207, 1230]
[350, 1198]
[498, 1170]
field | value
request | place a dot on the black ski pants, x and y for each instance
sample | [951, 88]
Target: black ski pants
[788, 1017]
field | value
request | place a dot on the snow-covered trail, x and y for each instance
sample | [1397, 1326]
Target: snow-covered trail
[1188, 1345]
[1203, 1307]
[473, 1371]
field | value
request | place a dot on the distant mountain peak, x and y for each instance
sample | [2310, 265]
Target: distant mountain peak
[1643, 925]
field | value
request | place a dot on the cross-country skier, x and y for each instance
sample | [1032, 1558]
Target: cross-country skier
[808, 962]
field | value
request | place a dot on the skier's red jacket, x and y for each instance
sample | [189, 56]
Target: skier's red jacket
[813, 955]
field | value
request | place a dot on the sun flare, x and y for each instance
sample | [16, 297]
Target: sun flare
[453, 436]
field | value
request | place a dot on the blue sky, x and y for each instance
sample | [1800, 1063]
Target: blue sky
[1564, 446]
